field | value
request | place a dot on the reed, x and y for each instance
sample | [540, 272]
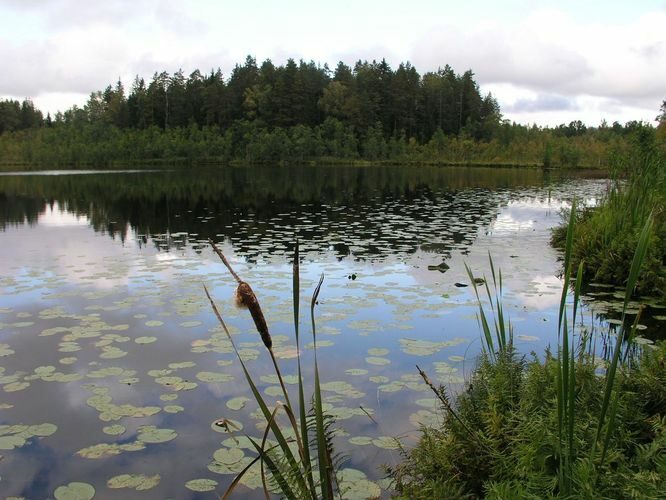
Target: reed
[296, 474]
[499, 339]
[550, 427]
[607, 235]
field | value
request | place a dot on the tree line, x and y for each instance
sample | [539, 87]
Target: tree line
[296, 111]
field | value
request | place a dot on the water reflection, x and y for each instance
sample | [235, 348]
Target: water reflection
[102, 284]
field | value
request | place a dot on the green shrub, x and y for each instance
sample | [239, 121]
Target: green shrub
[510, 407]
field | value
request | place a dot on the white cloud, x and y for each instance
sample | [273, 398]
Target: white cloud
[615, 68]
[568, 62]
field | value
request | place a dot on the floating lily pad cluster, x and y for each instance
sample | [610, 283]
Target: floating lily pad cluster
[146, 434]
[109, 411]
[16, 436]
[421, 347]
[138, 482]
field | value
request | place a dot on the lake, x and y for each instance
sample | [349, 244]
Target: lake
[112, 362]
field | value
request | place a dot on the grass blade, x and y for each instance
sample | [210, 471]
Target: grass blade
[325, 463]
[639, 256]
[296, 291]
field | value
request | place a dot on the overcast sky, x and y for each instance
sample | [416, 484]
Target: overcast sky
[547, 62]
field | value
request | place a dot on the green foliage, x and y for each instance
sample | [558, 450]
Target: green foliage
[15, 115]
[512, 404]
[606, 236]
[552, 427]
[298, 113]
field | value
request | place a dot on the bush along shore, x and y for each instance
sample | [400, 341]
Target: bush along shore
[569, 424]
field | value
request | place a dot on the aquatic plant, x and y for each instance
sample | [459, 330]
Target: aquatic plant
[308, 469]
[606, 236]
[549, 427]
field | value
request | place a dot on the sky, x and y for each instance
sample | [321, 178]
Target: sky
[546, 62]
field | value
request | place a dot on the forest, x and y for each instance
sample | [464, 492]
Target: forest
[300, 112]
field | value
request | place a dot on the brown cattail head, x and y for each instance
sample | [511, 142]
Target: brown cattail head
[246, 298]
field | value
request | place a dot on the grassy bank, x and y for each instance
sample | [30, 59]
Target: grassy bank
[605, 236]
[503, 440]
[569, 425]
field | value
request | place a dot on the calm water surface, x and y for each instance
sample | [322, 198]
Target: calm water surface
[111, 361]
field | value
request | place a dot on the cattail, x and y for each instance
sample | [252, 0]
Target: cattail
[246, 298]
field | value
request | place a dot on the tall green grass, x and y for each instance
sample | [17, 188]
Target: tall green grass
[607, 235]
[551, 427]
[308, 469]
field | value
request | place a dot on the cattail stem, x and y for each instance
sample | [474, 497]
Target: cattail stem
[225, 261]
[279, 375]
[245, 297]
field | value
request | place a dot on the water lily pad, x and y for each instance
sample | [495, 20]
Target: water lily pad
[361, 440]
[41, 430]
[228, 456]
[354, 485]
[376, 351]
[273, 390]
[12, 441]
[391, 387]
[114, 430]
[139, 482]
[16, 386]
[173, 409]
[213, 377]
[273, 379]
[421, 347]
[152, 434]
[112, 352]
[443, 367]
[182, 364]
[374, 360]
[356, 371]
[190, 324]
[74, 491]
[201, 485]
[5, 350]
[154, 323]
[342, 388]
[103, 450]
[321, 343]
[425, 418]
[386, 442]
[110, 371]
[145, 340]
[237, 403]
